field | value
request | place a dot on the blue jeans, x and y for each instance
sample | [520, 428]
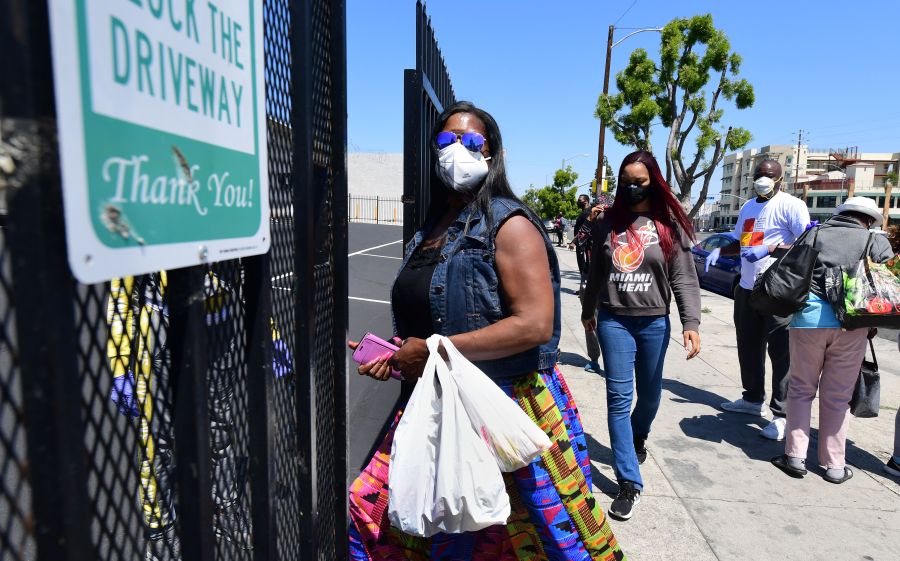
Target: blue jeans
[634, 348]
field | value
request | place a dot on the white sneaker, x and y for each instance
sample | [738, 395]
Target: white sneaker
[775, 429]
[747, 407]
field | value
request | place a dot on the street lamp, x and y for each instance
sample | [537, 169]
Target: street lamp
[563, 164]
[742, 199]
[735, 196]
[609, 48]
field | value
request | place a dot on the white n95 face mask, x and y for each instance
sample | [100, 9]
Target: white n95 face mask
[461, 169]
[763, 186]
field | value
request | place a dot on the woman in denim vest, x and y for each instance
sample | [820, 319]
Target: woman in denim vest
[482, 272]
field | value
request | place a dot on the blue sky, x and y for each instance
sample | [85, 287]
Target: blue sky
[827, 67]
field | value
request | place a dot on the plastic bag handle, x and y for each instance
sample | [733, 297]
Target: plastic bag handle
[441, 370]
[431, 364]
[434, 351]
[452, 351]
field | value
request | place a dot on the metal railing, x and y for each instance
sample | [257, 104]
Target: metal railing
[375, 210]
[233, 444]
[427, 91]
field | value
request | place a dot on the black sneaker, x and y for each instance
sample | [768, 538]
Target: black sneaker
[232, 526]
[892, 467]
[622, 508]
[640, 449]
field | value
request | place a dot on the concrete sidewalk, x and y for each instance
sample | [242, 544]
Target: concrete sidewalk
[710, 492]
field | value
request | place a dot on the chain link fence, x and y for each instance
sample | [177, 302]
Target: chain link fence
[191, 414]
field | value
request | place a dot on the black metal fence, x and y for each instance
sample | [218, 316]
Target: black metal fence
[427, 90]
[192, 414]
[375, 210]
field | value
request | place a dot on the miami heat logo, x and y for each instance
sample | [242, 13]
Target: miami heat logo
[627, 258]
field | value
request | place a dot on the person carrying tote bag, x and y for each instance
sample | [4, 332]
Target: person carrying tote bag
[783, 288]
[824, 356]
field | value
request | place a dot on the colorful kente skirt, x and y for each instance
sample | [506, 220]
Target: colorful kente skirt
[554, 517]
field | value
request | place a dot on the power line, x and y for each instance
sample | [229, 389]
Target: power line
[859, 122]
[625, 12]
[848, 133]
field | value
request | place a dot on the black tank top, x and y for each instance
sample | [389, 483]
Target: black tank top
[410, 296]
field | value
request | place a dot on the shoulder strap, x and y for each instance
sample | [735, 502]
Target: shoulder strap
[874, 358]
[865, 253]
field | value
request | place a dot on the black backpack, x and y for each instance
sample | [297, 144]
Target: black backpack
[784, 287]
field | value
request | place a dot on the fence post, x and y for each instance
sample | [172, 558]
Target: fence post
[377, 203]
[187, 331]
[260, 415]
[303, 182]
[341, 276]
[44, 290]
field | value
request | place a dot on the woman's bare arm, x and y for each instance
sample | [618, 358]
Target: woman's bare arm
[524, 273]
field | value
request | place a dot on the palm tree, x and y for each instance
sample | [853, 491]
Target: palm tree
[890, 179]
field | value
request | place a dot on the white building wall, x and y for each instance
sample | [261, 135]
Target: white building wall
[375, 187]
[371, 174]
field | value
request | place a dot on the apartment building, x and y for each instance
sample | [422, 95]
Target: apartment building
[825, 176]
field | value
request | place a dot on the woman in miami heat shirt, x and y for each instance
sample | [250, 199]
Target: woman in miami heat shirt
[642, 256]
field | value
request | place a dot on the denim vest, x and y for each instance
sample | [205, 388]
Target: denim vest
[465, 293]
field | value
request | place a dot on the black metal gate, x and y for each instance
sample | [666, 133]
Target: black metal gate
[193, 414]
[427, 90]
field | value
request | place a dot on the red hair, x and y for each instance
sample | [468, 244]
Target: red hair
[665, 210]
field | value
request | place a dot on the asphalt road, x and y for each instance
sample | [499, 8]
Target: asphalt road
[374, 258]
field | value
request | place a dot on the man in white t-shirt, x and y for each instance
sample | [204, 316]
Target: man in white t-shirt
[773, 219]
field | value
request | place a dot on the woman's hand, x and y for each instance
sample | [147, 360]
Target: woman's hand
[379, 368]
[410, 359]
[590, 324]
[692, 343]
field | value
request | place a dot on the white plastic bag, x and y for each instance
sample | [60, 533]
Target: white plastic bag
[442, 476]
[510, 434]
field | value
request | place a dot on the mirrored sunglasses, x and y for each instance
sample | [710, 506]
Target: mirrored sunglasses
[473, 141]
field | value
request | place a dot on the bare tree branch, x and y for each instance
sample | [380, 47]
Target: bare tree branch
[718, 155]
[686, 132]
[712, 109]
[706, 181]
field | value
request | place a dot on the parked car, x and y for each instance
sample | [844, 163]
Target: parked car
[725, 274]
[549, 227]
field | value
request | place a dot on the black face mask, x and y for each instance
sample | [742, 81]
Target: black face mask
[635, 193]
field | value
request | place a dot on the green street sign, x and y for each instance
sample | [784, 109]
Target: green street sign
[162, 123]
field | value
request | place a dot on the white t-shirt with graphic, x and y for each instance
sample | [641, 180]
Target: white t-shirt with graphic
[776, 221]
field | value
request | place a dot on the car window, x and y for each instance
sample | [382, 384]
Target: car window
[721, 241]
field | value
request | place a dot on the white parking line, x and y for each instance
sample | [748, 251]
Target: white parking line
[376, 247]
[382, 256]
[368, 300]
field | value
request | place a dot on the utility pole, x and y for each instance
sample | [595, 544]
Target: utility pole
[601, 169]
[797, 168]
